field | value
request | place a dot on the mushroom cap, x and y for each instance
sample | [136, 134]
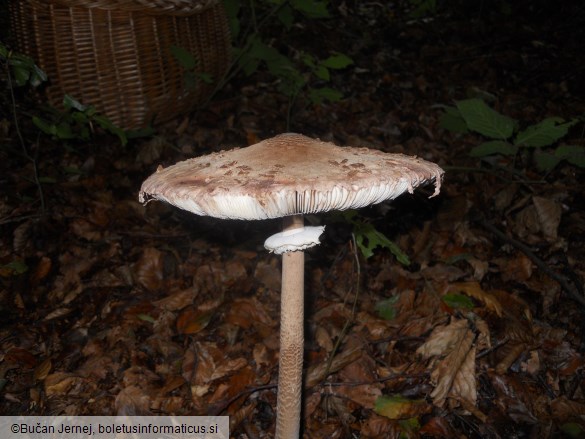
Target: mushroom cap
[288, 174]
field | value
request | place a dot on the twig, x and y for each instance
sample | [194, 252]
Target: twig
[153, 235]
[499, 344]
[397, 339]
[392, 376]
[30, 158]
[562, 280]
[215, 411]
[17, 219]
[349, 321]
[234, 68]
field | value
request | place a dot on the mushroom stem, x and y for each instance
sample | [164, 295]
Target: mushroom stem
[290, 368]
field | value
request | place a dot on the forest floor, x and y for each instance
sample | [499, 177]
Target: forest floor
[109, 307]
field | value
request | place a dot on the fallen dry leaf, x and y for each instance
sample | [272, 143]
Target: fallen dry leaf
[563, 409]
[133, 401]
[148, 270]
[517, 268]
[453, 370]
[549, 213]
[247, 312]
[362, 388]
[319, 372]
[85, 229]
[377, 426]
[60, 383]
[473, 289]
[193, 320]
[57, 313]
[41, 271]
[43, 369]
[323, 339]
[205, 362]
[177, 300]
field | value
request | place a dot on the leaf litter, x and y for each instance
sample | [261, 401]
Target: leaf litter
[109, 308]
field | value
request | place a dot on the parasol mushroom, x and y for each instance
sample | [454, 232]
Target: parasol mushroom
[287, 176]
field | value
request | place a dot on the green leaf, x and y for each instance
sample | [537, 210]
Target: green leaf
[368, 238]
[544, 133]
[205, 77]
[16, 267]
[458, 257]
[318, 95]
[189, 80]
[573, 430]
[64, 131]
[337, 61]
[232, 8]
[70, 102]
[261, 51]
[396, 406]
[73, 170]
[311, 8]
[410, 428]
[484, 120]
[84, 133]
[280, 66]
[21, 75]
[79, 117]
[452, 121]
[308, 60]
[112, 128]
[47, 180]
[140, 132]
[545, 161]
[322, 72]
[38, 76]
[25, 70]
[574, 154]
[255, 51]
[286, 17]
[459, 301]
[90, 111]
[44, 126]
[385, 308]
[249, 65]
[146, 318]
[493, 147]
[423, 8]
[184, 57]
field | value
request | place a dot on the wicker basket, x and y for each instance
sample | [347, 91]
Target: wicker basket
[115, 54]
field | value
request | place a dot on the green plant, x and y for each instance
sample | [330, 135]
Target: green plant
[20, 71]
[423, 8]
[22, 68]
[539, 140]
[13, 268]
[295, 74]
[189, 63]
[431, 8]
[297, 71]
[368, 238]
[76, 122]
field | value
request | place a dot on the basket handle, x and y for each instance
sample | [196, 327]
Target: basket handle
[158, 7]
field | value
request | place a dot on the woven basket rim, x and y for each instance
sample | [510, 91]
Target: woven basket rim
[171, 7]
